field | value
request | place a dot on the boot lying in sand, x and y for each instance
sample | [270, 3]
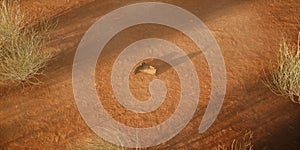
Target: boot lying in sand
[145, 69]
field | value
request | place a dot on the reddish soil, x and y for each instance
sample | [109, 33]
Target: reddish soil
[248, 32]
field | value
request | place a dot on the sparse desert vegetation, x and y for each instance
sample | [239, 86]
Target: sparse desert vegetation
[22, 54]
[284, 77]
[47, 116]
[245, 143]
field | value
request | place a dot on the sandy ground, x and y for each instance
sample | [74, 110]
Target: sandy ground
[248, 32]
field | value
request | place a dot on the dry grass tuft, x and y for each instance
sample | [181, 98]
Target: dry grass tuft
[22, 54]
[284, 79]
[244, 144]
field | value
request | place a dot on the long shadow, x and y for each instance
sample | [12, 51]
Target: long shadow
[163, 66]
[285, 136]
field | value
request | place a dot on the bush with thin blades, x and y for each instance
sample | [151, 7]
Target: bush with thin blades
[243, 144]
[284, 79]
[12, 21]
[22, 54]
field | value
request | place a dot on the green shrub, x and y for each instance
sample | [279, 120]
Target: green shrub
[284, 79]
[22, 54]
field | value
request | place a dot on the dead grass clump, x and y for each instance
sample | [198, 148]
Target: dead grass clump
[244, 144]
[22, 54]
[284, 79]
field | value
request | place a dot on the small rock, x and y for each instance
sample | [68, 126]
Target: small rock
[144, 68]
